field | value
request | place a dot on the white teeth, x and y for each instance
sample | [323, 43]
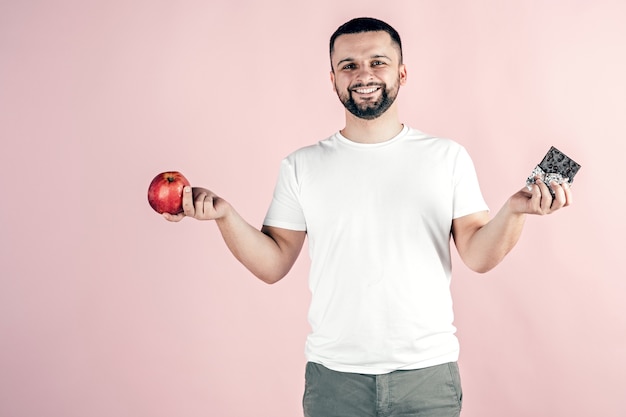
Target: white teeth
[366, 90]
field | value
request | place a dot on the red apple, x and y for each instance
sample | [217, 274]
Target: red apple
[165, 193]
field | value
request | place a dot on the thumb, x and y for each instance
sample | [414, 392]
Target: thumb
[173, 217]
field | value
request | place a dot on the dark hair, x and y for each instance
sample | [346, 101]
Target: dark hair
[365, 24]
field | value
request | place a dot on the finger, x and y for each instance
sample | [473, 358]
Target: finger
[534, 203]
[568, 194]
[546, 197]
[200, 202]
[188, 204]
[559, 196]
[207, 208]
[173, 217]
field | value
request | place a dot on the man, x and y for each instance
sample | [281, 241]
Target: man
[379, 202]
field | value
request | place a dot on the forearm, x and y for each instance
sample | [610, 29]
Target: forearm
[269, 254]
[488, 246]
[258, 252]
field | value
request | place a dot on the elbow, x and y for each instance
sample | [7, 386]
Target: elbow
[482, 269]
[269, 280]
[270, 277]
[482, 266]
[483, 260]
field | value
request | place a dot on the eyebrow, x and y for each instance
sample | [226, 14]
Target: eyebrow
[349, 59]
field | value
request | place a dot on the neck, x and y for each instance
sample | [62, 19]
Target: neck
[376, 130]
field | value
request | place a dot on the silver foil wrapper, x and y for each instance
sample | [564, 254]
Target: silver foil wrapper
[546, 177]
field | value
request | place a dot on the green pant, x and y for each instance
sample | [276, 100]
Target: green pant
[429, 392]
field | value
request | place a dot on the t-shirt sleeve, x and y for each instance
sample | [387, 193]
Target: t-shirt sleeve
[285, 210]
[468, 198]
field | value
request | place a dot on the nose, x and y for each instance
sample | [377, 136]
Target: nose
[364, 74]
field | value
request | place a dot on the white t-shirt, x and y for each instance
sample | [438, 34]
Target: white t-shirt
[378, 220]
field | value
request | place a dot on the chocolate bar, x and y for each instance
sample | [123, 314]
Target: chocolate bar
[555, 166]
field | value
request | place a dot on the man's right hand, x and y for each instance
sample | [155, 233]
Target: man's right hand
[201, 204]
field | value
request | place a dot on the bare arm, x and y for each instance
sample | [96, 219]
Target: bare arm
[268, 253]
[483, 243]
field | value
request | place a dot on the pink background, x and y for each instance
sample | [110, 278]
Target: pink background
[107, 310]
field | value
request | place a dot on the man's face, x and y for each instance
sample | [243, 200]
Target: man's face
[367, 73]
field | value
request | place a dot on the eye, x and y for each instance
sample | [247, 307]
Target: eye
[348, 67]
[377, 63]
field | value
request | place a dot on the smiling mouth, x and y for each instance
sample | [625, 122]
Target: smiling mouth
[365, 90]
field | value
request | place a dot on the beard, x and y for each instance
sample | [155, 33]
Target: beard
[373, 109]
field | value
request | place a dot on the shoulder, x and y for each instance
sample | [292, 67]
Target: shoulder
[434, 145]
[312, 151]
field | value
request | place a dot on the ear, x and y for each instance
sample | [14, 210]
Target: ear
[332, 80]
[402, 73]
